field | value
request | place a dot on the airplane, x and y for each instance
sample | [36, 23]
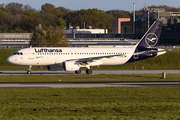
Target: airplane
[75, 58]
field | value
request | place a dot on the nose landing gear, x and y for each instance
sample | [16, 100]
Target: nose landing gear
[29, 69]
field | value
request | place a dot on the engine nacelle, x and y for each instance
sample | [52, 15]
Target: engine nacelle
[71, 66]
[55, 67]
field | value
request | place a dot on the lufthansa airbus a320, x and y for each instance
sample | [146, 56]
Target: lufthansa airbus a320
[73, 59]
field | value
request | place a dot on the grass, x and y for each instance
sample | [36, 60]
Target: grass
[88, 78]
[160, 103]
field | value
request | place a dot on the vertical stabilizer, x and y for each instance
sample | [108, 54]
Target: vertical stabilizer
[151, 37]
[147, 46]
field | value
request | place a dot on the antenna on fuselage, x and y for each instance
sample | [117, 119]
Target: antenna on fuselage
[30, 46]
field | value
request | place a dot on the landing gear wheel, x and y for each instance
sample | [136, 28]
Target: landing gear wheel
[29, 69]
[28, 72]
[78, 71]
[88, 71]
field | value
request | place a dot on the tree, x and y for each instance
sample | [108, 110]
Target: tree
[3, 9]
[92, 17]
[28, 8]
[52, 37]
[48, 19]
[175, 10]
[29, 21]
[15, 7]
[64, 10]
[119, 13]
[49, 8]
[7, 22]
[62, 23]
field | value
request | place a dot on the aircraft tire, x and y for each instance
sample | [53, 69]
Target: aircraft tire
[28, 72]
[78, 71]
[88, 71]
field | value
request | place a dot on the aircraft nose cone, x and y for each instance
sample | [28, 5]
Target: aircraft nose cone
[12, 59]
[9, 59]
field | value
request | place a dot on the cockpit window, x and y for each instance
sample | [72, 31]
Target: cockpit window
[18, 53]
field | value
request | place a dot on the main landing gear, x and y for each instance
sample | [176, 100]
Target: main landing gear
[29, 69]
[78, 71]
[88, 71]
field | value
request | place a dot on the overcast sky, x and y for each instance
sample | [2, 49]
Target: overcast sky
[99, 4]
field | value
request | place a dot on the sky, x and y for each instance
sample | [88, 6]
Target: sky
[105, 5]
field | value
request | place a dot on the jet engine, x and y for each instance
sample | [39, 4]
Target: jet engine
[71, 66]
[55, 67]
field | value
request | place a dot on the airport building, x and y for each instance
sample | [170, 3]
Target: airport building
[170, 33]
[171, 21]
[15, 39]
[77, 30]
[116, 25]
[20, 40]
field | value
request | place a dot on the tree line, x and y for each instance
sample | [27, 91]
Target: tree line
[19, 18]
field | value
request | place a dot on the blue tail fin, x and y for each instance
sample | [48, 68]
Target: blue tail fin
[147, 46]
[151, 37]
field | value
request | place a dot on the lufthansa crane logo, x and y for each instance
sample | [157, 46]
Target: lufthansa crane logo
[151, 39]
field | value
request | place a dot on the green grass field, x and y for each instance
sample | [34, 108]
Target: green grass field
[123, 103]
[161, 103]
[88, 78]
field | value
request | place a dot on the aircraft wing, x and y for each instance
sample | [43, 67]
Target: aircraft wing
[91, 59]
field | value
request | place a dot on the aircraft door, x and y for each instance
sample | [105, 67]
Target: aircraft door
[31, 53]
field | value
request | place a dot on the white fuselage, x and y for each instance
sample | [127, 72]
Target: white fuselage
[43, 56]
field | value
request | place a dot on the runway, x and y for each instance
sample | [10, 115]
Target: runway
[88, 84]
[95, 72]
